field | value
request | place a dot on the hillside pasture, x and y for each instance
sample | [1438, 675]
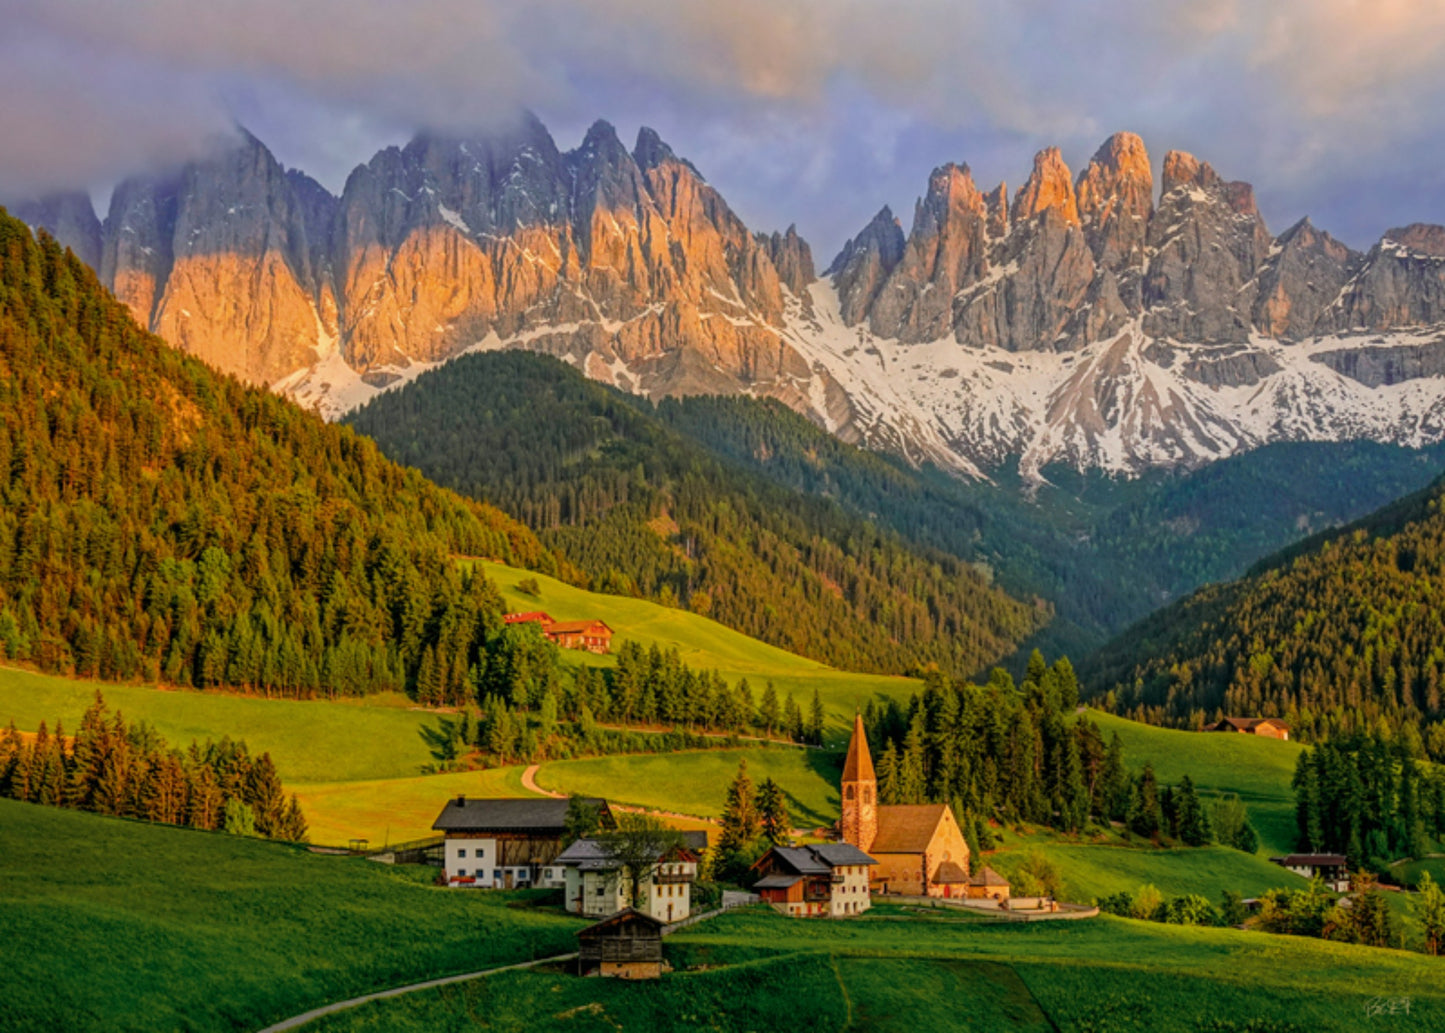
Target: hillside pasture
[133, 927]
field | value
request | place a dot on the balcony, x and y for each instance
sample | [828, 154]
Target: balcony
[671, 879]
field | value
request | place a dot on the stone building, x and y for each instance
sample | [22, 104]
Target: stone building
[919, 848]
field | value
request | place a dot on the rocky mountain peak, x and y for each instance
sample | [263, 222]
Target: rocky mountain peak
[650, 151]
[1050, 185]
[70, 218]
[1182, 169]
[792, 258]
[862, 266]
[1420, 237]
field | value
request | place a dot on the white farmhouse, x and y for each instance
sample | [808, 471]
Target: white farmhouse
[595, 885]
[506, 844]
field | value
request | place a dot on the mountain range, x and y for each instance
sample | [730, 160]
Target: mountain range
[1090, 320]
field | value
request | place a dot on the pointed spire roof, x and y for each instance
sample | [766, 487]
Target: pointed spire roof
[859, 765]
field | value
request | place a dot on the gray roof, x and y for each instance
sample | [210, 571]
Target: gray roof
[842, 853]
[820, 859]
[776, 882]
[587, 855]
[544, 817]
[695, 840]
[802, 860]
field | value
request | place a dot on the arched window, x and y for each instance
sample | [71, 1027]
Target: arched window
[848, 793]
[867, 794]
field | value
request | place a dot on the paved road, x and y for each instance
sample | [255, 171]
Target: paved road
[316, 1013]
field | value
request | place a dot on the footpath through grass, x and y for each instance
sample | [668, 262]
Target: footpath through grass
[111, 925]
[758, 971]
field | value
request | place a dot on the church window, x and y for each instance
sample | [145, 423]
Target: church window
[848, 793]
[867, 795]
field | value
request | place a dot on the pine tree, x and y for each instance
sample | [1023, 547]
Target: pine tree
[1145, 818]
[768, 713]
[773, 814]
[741, 823]
[816, 718]
[1193, 825]
[1429, 905]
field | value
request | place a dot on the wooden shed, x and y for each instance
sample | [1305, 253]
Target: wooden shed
[628, 945]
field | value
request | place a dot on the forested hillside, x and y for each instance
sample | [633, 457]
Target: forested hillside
[1104, 552]
[579, 463]
[1336, 634]
[159, 520]
[643, 509]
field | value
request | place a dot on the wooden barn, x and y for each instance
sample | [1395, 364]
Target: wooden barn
[1268, 727]
[593, 636]
[627, 945]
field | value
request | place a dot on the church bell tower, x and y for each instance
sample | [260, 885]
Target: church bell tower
[860, 792]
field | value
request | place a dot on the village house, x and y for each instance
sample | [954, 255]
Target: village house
[594, 882]
[627, 945]
[920, 849]
[1332, 868]
[830, 880]
[594, 636]
[506, 844]
[1269, 727]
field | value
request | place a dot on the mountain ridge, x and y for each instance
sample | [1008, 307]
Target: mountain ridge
[1081, 321]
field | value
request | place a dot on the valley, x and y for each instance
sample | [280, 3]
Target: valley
[441, 564]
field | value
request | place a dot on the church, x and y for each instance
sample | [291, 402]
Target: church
[919, 847]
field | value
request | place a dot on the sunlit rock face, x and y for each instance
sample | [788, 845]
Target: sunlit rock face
[1089, 319]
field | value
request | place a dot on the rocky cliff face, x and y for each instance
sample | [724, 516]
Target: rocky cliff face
[1082, 320]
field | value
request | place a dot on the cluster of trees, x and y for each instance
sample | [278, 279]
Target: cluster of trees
[1364, 917]
[534, 707]
[111, 767]
[753, 821]
[1018, 753]
[1338, 635]
[161, 521]
[1367, 797]
[646, 510]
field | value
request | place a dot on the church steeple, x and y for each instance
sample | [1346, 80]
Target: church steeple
[860, 791]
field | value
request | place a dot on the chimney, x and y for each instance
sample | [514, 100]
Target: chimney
[461, 799]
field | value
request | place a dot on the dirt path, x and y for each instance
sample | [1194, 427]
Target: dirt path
[529, 783]
[316, 1013]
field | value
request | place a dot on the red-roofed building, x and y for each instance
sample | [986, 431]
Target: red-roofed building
[592, 635]
[534, 616]
[1269, 727]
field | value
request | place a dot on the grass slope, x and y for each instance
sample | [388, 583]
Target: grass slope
[755, 970]
[134, 927]
[310, 740]
[1259, 770]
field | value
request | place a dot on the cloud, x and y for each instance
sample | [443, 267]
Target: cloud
[785, 103]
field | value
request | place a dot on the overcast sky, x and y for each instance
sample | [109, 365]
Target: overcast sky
[808, 111]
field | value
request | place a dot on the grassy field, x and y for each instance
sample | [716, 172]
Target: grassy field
[1259, 770]
[695, 783]
[394, 810]
[757, 971]
[134, 927]
[310, 740]
[704, 644]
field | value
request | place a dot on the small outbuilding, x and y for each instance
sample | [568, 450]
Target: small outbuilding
[627, 945]
[987, 884]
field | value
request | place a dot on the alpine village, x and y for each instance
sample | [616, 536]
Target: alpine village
[465, 565]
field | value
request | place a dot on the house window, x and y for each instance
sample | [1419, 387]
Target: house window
[524, 876]
[496, 874]
[462, 852]
[461, 871]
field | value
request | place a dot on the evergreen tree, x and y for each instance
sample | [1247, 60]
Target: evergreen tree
[773, 814]
[1193, 824]
[816, 719]
[768, 713]
[741, 823]
[1145, 817]
[1429, 906]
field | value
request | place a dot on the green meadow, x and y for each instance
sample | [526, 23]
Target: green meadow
[113, 925]
[755, 970]
[1258, 770]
